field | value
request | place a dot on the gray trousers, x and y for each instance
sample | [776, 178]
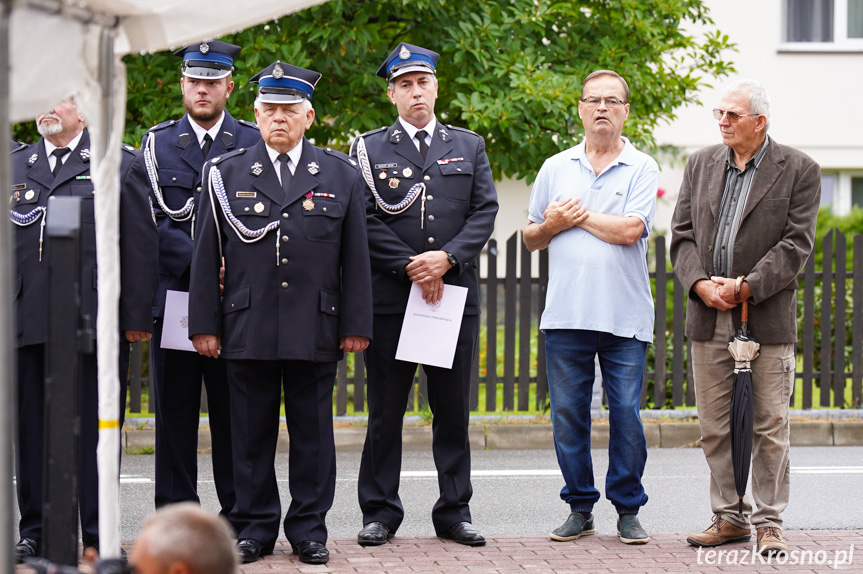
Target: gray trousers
[773, 382]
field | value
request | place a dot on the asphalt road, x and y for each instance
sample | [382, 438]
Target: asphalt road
[516, 492]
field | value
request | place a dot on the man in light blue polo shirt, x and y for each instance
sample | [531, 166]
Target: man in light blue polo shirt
[593, 206]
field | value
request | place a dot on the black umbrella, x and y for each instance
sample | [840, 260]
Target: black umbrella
[744, 349]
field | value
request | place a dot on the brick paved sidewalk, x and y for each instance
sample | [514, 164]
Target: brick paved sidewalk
[602, 553]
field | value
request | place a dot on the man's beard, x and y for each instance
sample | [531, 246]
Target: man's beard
[202, 116]
[51, 128]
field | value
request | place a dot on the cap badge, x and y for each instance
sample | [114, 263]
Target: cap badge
[278, 72]
[313, 167]
[259, 207]
[257, 168]
[407, 172]
[32, 159]
[204, 48]
[404, 53]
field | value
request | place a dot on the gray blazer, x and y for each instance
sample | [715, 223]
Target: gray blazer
[774, 241]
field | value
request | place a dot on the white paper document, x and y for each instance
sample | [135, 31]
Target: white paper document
[430, 332]
[175, 328]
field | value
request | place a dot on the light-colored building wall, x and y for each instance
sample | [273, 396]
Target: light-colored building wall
[816, 107]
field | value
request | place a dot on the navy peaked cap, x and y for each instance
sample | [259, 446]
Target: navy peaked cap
[281, 83]
[408, 58]
[209, 60]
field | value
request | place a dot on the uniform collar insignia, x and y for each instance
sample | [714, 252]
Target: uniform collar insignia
[85, 154]
[32, 159]
[313, 167]
[444, 135]
[396, 136]
[227, 139]
[257, 168]
[184, 139]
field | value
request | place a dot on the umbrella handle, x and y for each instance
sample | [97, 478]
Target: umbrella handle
[744, 314]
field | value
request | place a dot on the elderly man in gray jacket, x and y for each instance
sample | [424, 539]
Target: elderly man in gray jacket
[742, 230]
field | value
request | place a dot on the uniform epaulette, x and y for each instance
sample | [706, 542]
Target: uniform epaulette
[130, 149]
[342, 156]
[249, 124]
[223, 157]
[458, 129]
[17, 149]
[162, 125]
[374, 131]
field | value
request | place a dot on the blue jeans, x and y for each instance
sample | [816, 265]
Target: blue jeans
[570, 355]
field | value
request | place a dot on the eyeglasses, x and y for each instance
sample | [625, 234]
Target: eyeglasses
[611, 103]
[733, 117]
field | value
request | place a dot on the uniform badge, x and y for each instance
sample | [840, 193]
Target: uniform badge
[394, 182]
[85, 154]
[313, 167]
[382, 175]
[257, 168]
[14, 197]
[247, 194]
[404, 53]
[32, 159]
[444, 135]
[259, 207]
[29, 195]
[19, 186]
[407, 172]
[204, 48]
[396, 136]
[278, 72]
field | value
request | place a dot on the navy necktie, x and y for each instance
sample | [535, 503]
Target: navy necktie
[58, 153]
[285, 172]
[208, 141]
[421, 138]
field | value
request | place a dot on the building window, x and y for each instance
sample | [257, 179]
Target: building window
[857, 191]
[837, 23]
[828, 182]
[842, 190]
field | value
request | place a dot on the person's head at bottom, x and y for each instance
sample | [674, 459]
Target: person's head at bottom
[184, 539]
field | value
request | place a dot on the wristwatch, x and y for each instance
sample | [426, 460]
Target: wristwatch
[450, 258]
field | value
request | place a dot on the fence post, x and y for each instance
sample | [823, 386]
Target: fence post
[491, 329]
[808, 331]
[857, 326]
[661, 305]
[826, 296]
[509, 294]
[839, 323]
[541, 372]
[524, 299]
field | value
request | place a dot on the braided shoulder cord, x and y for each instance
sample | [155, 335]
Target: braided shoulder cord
[150, 163]
[245, 234]
[393, 209]
[25, 219]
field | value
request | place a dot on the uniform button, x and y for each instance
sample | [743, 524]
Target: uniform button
[247, 209]
[431, 217]
[173, 179]
[325, 210]
[429, 197]
[333, 309]
[285, 285]
[232, 305]
[285, 216]
[199, 189]
[284, 238]
[431, 239]
[393, 272]
[427, 178]
[284, 261]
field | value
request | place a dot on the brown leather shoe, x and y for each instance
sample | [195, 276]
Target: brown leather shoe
[770, 541]
[720, 532]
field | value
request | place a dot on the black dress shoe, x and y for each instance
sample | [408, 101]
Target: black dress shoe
[464, 533]
[250, 550]
[26, 548]
[374, 534]
[312, 552]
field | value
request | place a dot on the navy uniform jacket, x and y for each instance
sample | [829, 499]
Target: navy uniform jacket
[321, 288]
[32, 185]
[180, 160]
[461, 204]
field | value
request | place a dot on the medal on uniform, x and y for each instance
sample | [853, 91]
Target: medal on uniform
[313, 167]
[394, 182]
[382, 175]
[407, 172]
[29, 195]
[259, 207]
[308, 204]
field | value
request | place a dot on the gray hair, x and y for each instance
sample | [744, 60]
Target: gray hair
[186, 533]
[759, 99]
[307, 104]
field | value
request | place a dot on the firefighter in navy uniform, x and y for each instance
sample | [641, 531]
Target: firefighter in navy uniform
[174, 154]
[59, 165]
[431, 205]
[289, 220]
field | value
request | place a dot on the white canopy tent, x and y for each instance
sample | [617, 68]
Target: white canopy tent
[50, 49]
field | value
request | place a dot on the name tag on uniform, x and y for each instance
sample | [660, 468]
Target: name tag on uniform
[19, 186]
[385, 165]
[251, 194]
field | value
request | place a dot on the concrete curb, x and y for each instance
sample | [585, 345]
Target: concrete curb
[539, 435]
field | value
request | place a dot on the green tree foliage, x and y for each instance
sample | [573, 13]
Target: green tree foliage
[510, 71]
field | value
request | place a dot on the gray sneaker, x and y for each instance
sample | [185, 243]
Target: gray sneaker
[629, 530]
[575, 527]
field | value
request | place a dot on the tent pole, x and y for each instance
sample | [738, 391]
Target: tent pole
[8, 396]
